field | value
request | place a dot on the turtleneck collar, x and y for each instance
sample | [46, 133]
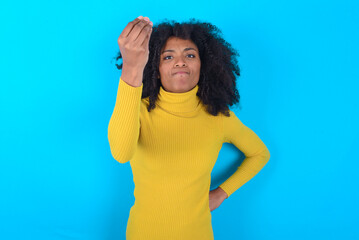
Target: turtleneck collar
[186, 102]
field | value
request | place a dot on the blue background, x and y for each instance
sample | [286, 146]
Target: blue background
[298, 87]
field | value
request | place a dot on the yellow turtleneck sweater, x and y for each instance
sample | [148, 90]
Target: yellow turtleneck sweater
[172, 151]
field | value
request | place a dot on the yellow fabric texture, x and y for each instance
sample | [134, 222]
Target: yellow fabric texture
[172, 151]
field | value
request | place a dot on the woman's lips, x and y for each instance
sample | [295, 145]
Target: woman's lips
[181, 73]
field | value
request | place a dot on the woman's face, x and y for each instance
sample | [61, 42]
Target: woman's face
[179, 65]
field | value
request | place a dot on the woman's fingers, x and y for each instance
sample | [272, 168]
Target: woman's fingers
[129, 27]
[145, 34]
[134, 43]
[146, 41]
[136, 31]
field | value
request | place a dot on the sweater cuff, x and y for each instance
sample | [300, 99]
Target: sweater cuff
[128, 92]
[224, 188]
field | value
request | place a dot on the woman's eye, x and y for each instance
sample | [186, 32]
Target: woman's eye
[192, 56]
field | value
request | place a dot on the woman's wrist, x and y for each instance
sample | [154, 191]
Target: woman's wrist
[222, 192]
[132, 76]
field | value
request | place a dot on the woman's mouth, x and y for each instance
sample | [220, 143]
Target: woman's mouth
[181, 73]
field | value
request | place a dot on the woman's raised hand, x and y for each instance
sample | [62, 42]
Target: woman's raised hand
[133, 43]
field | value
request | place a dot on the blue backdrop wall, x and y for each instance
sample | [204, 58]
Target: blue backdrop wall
[298, 87]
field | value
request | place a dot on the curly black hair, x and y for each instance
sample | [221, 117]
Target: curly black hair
[217, 82]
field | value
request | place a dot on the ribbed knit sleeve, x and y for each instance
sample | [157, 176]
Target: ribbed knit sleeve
[124, 125]
[256, 152]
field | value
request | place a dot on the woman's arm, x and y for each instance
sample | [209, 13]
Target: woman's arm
[256, 152]
[124, 125]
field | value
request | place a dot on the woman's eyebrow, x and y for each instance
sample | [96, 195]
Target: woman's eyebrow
[186, 49]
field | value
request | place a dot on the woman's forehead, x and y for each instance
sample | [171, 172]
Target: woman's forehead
[175, 42]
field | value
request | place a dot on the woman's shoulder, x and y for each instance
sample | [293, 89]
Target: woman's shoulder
[145, 102]
[146, 99]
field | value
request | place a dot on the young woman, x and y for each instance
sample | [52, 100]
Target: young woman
[170, 120]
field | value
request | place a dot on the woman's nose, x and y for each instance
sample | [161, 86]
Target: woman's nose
[180, 62]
